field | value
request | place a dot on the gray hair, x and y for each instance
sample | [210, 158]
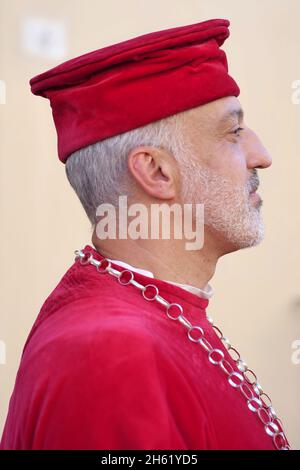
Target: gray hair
[99, 172]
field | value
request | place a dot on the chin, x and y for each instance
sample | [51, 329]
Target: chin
[249, 239]
[238, 241]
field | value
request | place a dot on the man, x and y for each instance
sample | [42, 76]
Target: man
[122, 354]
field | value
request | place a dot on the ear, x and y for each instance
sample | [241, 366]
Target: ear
[155, 170]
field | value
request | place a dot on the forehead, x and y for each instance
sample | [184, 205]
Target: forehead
[218, 112]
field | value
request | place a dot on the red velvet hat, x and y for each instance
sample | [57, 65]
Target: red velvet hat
[127, 85]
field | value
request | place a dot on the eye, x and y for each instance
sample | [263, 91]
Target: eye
[238, 130]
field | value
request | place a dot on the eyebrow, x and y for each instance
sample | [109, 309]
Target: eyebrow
[239, 113]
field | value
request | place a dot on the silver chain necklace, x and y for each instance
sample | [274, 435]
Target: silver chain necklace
[256, 399]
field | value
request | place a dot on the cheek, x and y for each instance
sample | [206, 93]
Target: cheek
[230, 162]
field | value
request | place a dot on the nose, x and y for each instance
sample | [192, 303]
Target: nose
[257, 155]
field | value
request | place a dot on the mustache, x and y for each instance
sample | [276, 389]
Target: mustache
[253, 182]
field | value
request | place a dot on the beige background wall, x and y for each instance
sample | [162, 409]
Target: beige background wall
[257, 291]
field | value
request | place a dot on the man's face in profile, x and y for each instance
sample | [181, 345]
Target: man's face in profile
[220, 171]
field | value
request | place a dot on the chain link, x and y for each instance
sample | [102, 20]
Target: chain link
[244, 379]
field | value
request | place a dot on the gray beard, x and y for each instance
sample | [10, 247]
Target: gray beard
[228, 210]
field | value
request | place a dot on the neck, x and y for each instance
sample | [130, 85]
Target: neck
[166, 259]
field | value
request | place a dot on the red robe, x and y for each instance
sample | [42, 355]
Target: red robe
[103, 368]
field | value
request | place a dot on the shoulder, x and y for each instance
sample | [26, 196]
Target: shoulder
[108, 384]
[86, 336]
